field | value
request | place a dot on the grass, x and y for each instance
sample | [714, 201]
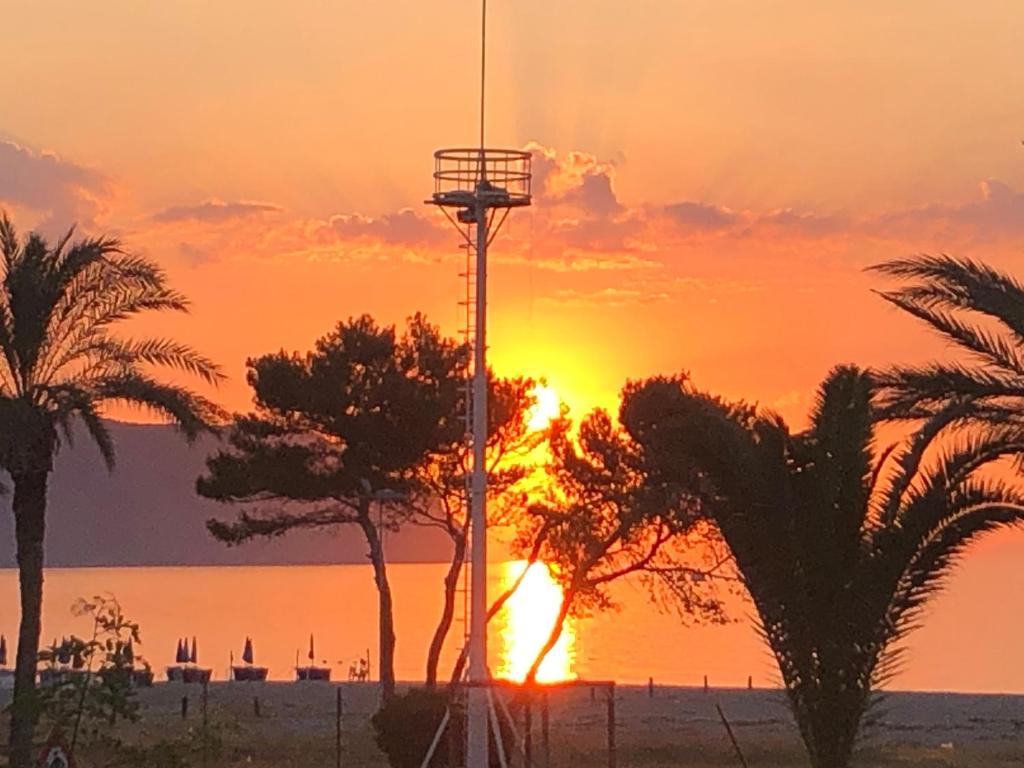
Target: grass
[296, 729]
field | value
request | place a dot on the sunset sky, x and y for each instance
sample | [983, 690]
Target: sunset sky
[711, 177]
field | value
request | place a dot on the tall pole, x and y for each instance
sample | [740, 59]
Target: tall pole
[483, 68]
[477, 725]
[476, 751]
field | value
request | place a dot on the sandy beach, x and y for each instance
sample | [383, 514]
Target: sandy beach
[296, 726]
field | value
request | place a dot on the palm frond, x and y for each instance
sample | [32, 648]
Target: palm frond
[193, 414]
[989, 348]
[904, 392]
[908, 461]
[167, 352]
[967, 285]
[81, 405]
[840, 444]
[927, 571]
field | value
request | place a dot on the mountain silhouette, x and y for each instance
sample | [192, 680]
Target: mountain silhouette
[146, 512]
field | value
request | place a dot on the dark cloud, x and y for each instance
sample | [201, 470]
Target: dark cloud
[404, 227]
[594, 194]
[702, 217]
[65, 192]
[194, 255]
[214, 211]
[800, 224]
[998, 212]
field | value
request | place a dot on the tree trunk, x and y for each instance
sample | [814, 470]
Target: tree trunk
[385, 610]
[829, 744]
[451, 583]
[834, 729]
[553, 636]
[828, 717]
[30, 527]
[496, 606]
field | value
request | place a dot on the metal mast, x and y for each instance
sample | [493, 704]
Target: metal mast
[479, 184]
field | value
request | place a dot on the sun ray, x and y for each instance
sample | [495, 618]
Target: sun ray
[547, 407]
[529, 616]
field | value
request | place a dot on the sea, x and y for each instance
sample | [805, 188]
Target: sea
[964, 644]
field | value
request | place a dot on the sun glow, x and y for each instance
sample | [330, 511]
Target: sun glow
[529, 617]
[547, 407]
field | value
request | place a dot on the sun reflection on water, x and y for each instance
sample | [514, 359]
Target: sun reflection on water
[525, 623]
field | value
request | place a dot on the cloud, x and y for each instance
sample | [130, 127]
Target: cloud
[576, 206]
[609, 297]
[64, 192]
[997, 212]
[578, 224]
[404, 227]
[214, 211]
[702, 217]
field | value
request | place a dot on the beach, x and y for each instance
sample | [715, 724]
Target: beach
[296, 726]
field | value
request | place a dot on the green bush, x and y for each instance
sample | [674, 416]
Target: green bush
[406, 725]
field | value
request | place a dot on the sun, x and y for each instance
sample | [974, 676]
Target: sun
[547, 407]
[529, 616]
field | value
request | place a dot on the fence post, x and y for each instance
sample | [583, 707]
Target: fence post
[545, 729]
[206, 720]
[611, 726]
[528, 730]
[339, 706]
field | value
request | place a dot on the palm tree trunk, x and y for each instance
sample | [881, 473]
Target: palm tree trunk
[451, 583]
[828, 720]
[30, 527]
[385, 609]
[831, 744]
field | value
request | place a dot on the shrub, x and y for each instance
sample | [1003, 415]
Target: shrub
[405, 727]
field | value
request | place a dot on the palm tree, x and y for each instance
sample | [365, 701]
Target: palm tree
[981, 311]
[838, 543]
[60, 362]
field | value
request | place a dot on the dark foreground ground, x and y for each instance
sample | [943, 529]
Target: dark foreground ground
[296, 726]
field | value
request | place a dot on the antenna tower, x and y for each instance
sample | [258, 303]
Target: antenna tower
[476, 188]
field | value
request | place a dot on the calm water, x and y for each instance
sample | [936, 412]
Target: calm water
[280, 606]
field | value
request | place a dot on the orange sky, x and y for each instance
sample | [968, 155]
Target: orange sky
[711, 180]
[712, 176]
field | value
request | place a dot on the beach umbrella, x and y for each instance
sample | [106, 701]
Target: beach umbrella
[247, 653]
[3, 651]
[64, 651]
[179, 655]
[312, 655]
[194, 658]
